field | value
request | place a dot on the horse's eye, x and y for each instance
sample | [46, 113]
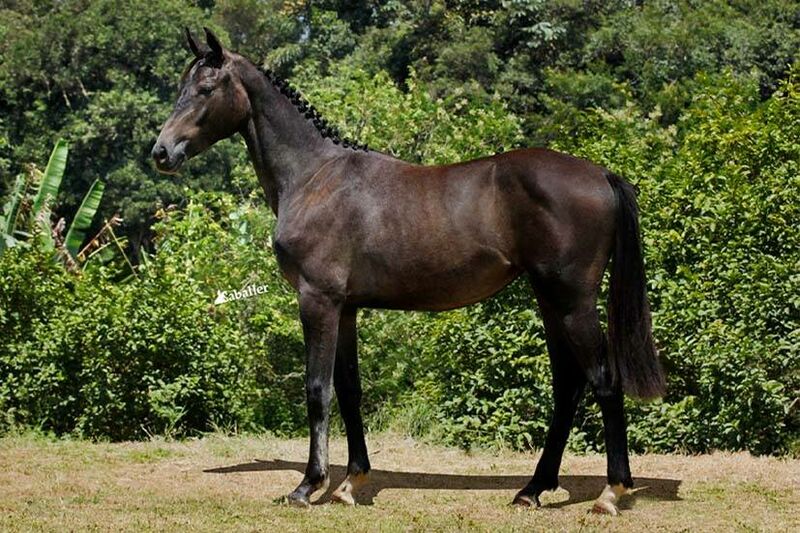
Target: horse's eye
[205, 90]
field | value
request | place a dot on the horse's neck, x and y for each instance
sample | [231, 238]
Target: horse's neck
[284, 146]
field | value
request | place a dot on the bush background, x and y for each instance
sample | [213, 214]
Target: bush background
[698, 103]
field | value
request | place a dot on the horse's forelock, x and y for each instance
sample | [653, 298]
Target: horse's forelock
[187, 70]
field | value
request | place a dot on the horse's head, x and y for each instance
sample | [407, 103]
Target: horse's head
[212, 105]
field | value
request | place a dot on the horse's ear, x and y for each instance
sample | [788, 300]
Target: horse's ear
[192, 44]
[214, 45]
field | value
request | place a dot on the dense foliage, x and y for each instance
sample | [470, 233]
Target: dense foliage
[695, 102]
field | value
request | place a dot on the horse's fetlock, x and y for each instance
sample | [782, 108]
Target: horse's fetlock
[317, 477]
[356, 468]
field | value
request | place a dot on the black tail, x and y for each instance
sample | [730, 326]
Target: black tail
[630, 335]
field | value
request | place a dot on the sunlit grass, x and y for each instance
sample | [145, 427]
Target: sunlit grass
[58, 485]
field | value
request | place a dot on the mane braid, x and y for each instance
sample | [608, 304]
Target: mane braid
[309, 111]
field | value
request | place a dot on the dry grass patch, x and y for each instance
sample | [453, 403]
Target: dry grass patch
[229, 483]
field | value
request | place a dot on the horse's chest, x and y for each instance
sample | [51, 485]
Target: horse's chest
[289, 261]
[307, 252]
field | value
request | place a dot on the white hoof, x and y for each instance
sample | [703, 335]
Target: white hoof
[606, 503]
[344, 492]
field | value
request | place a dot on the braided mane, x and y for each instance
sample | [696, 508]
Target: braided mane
[308, 110]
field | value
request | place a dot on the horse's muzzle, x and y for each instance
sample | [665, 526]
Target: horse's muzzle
[166, 162]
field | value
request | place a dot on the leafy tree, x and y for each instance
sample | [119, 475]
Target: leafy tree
[262, 30]
[414, 125]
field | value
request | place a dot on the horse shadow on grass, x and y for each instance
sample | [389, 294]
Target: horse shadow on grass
[580, 488]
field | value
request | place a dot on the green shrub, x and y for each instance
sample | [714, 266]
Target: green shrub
[34, 291]
[149, 355]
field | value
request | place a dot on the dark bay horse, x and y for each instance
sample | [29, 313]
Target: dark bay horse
[358, 228]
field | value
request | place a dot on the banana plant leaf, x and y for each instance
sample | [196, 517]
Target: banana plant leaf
[83, 218]
[8, 222]
[11, 209]
[51, 180]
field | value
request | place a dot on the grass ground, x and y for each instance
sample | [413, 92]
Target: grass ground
[229, 483]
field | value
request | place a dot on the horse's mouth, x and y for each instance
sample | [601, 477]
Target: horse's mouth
[171, 167]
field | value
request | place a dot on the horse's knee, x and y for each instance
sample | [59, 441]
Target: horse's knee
[318, 397]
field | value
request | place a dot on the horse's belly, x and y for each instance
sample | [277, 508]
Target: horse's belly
[433, 284]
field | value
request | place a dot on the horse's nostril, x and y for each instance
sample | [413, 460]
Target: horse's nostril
[159, 153]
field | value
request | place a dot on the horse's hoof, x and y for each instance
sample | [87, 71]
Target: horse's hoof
[605, 508]
[344, 492]
[606, 502]
[343, 497]
[297, 500]
[526, 500]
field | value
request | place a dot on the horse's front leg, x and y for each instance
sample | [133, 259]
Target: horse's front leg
[347, 383]
[320, 316]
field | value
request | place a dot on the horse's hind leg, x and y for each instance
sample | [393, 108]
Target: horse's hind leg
[347, 382]
[574, 316]
[590, 348]
[568, 385]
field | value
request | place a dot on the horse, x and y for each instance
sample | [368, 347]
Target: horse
[357, 228]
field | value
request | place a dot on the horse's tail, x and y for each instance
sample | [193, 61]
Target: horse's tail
[630, 337]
